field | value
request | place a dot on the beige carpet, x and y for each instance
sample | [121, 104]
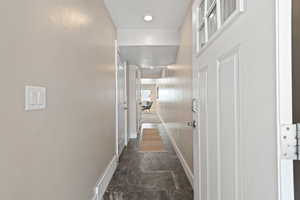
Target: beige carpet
[151, 141]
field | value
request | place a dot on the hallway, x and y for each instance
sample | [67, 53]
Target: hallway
[150, 100]
[150, 175]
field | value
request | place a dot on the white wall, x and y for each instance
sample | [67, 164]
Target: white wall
[175, 95]
[68, 47]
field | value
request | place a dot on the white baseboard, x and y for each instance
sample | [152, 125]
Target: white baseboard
[133, 135]
[183, 162]
[104, 180]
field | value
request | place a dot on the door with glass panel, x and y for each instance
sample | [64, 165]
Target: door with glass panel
[236, 138]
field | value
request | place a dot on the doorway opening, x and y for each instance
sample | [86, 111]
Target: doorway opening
[149, 102]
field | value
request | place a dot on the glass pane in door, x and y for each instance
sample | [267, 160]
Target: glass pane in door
[201, 12]
[210, 3]
[212, 22]
[227, 8]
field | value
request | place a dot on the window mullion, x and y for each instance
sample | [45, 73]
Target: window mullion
[205, 20]
[219, 17]
[202, 5]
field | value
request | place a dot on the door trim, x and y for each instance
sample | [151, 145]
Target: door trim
[116, 98]
[126, 99]
[284, 92]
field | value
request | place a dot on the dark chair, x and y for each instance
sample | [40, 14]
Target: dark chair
[148, 106]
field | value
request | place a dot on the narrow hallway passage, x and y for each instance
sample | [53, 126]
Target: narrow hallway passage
[149, 175]
[150, 100]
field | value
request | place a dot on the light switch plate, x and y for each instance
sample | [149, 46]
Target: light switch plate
[35, 98]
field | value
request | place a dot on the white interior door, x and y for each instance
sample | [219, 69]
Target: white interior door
[125, 102]
[121, 103]
[121, 108]
[138, 100]
[236, 141]
[201, 135]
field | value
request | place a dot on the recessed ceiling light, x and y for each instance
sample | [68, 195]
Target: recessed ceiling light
[148, 18]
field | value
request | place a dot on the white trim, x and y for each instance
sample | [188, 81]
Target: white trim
[116, 99]
[133, 135]
[105, 179]
[126, 102]
[284, 92]
[183, 162]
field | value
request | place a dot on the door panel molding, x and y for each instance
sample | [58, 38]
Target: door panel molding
[228, 126]
[202, 129]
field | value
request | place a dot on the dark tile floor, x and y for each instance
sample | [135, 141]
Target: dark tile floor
[149, 176]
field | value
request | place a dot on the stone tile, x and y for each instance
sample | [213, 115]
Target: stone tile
[149, 176]
[181, 195]
[148, 195]
[144, 195]
[157, 181]
[161, 161]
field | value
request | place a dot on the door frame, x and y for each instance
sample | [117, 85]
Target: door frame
[138, 99]
[196, 131]
[117, 95]
[126, 103]
[284, 110]
[116, 98]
